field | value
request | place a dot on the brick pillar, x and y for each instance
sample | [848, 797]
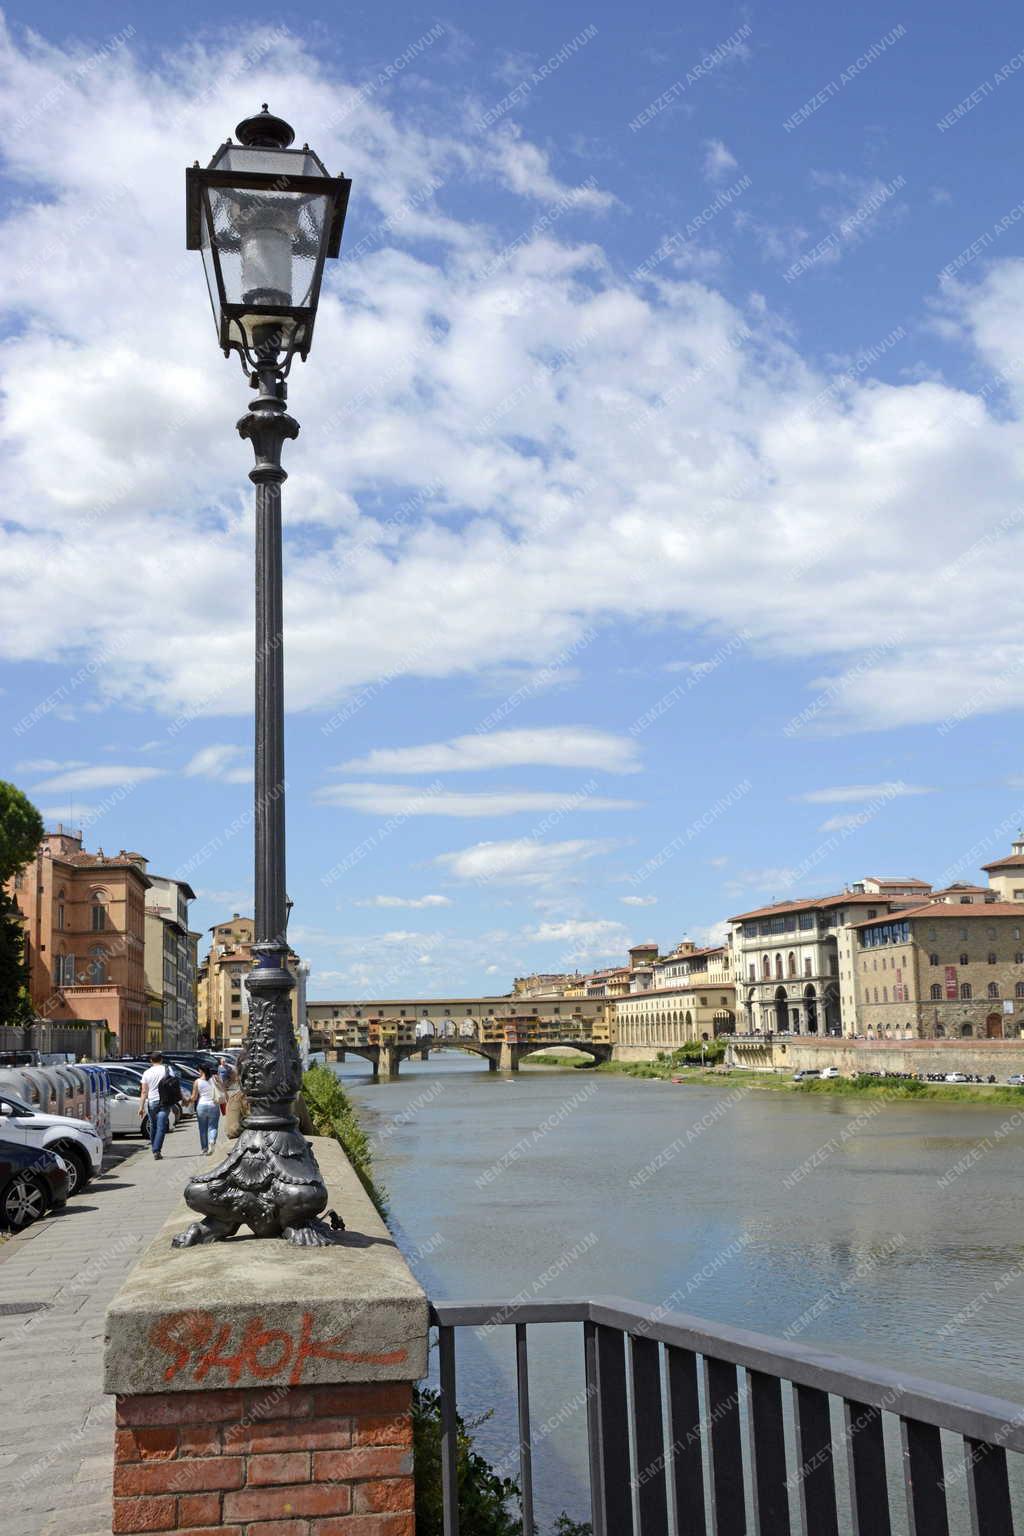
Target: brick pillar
[266, 1390]
[293, 1461]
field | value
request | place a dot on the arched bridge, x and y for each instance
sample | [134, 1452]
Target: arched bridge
[385, 1056]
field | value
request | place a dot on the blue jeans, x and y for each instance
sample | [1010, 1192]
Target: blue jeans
[158, 1122]
[208, 1116]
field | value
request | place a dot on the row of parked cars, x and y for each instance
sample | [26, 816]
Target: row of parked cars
[57, 1121]
[1016, 1080]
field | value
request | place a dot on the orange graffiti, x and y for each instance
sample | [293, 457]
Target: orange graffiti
[198, 1347]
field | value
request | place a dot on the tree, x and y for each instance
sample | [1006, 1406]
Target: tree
[21, 830]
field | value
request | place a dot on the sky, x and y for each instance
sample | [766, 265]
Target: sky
[653, 535]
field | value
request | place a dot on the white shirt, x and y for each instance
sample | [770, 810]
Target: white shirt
[151, 1079]
[206, 1090]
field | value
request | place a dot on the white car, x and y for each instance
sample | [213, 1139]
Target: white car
[76, 1141]
[957, 1077]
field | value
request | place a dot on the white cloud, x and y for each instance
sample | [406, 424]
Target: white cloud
[889, 790]
[844, 823]
[46, 765]
[221, 762]
[718, 161]
[568, 746]
[98, 778]
[69, 814]
[403, 800]
[516, 387]
[639, 901]
[405, 901]
[522, 861]
[588, 938]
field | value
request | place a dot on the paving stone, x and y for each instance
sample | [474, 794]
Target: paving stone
[56, 1425]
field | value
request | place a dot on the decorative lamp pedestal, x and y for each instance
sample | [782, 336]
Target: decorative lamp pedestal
[266, 1390]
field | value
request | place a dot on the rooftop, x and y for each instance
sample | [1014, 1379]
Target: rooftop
[844, 899]
[950, 910]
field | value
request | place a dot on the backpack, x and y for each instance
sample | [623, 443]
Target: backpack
[169, 1091]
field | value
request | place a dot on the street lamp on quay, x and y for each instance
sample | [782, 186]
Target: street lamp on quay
[266, 217]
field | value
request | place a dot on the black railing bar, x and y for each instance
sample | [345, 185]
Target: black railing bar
[525, 1447]
[495, 1314]
[449, 1433]
[992, 1419]
[973, 1414]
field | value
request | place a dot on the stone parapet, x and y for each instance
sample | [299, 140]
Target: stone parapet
[266, 1390]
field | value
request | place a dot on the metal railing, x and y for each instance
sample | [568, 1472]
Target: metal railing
[687, 1430]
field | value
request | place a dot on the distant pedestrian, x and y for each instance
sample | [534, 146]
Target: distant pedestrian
[207, 1097]
[150, 1103]
[226, 1075]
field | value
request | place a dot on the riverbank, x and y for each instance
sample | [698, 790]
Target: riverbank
[892, 1089]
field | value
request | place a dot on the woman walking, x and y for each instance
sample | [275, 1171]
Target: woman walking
[206, 1101]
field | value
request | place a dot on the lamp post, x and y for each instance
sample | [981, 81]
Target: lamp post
[266, 217]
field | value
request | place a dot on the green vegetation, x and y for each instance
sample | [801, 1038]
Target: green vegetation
[330, 1110]
[486, 1499]
[21, 832]
[893, 1089]
[665, 1065]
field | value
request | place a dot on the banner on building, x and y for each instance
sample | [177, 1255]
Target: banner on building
[951, 982]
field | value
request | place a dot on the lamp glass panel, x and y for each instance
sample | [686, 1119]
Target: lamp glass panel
[267, 162]
[270, 244]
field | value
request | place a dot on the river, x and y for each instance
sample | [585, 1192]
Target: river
[891, 1233]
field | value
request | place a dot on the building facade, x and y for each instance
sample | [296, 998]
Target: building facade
[787, 956]
[85, 917]
[942, 971]
[483, 1019]
[1006, 876]
[691, 996]
[170, 957]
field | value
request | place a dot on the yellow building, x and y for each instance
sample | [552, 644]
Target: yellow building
[223, 1001]
[1006, 876]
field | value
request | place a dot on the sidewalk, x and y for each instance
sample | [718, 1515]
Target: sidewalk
[56, 1426]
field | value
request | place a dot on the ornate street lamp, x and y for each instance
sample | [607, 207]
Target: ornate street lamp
[266, 217]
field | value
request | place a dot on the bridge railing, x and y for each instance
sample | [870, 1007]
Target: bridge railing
[689, 1431]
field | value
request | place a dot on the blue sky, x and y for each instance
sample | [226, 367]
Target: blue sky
[654, 530]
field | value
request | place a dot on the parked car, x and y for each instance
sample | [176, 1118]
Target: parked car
[78, 1143]
[186, 1076]
[957, 1077]
[830, 1072]
[32, 1182]
[805, 1072]
[125, 1086]
[1016, 1080]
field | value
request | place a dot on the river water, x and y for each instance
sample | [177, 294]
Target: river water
[891, 1233]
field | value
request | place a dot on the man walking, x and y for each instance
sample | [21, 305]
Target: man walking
[149, 1103]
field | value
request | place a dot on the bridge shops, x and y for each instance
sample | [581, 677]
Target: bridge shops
[502, 1029]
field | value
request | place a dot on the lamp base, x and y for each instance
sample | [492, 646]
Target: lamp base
[270, 1183]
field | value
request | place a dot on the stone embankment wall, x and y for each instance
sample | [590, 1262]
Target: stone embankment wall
[1003, 1057]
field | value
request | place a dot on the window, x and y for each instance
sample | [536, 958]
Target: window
[940, 1032]
[65, 970]
[966, 1031]
[885, 994]
[753, 971]
[236, 1013]
[778, 967]
[1018, 958]
[766, 968]
[807, 965]
[791, 964]
[991, 957]
[963, 933]
[1016, 933]
[965, 959]
[933, 959]
[876, 994]
[931, 933]
[993, 989]
[1019, 989]
[99, 911]
[97, 965]
[966, 992]
[936, 992]
[60, 917]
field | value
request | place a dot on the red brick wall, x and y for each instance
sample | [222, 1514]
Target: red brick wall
[281, 1461]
